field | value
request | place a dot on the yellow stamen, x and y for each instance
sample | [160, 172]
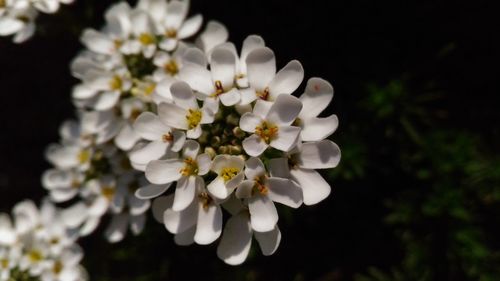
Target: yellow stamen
[108, 192]
[54, 241]
[229, 173]
[35, 256]
[266, 131]
[219, 90]
[171, 67]
[58, 266]
[190, 167]
[205, 200]
[193, 118]
[116, 83]
[171, 33]
[146, 39]
[84, 156]
[260, 186]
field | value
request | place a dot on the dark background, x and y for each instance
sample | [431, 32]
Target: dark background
[417, 194]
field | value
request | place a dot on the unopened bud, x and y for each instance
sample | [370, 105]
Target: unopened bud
[233, 119]
[210, 151]
[238, 132]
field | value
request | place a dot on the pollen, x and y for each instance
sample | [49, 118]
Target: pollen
[219, 90]
[260, 186]
[171, 67]
[229, 173]
[171, 33]
[146, 39]
[57, 268]
[35, 256]
[190, 167]
[266, 131]
[263, 95]
[116, 83]
[193, 118]
[83, 156]
[167, 137]
[108, 192]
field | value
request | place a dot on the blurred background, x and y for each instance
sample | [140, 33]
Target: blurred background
[417, 193]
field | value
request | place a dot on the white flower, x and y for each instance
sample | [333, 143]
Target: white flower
[215, 33]
[66, 267]
[187, 171]
[8, 234]
[261, 190]
[229, 170]
[272, 128]
[184, 113]
[18, 21]
[317, 96]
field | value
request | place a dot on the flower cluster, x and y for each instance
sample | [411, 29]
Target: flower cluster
[17, 17]
[217, 129]
[37, 246]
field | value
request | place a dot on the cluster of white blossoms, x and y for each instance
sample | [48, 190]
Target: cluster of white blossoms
[38, 246]
[202, 129]
[17, 17]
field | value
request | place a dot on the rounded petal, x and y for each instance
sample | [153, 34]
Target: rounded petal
[249, 121]
[236, 240]
[254, 168]
[254, 145]
[223, 66]
[149, 127]
[185, 238]
[173, 115]
[217, 188]
[214, 34]
[117, 229]
[314, 188]
[198, 77]
[127, 137]
[97, 42]
[287, 138]
[204, 162]
[284, 191]
[285, 110]
[245, 189]
[160, 205]
[316, 98]
[269, 241]
[251, 43]
[191, 149]
[263, 214]
[9, 26]
[261, 68]
[178, 222]
[316, 129]
[190, 27]
[151, 151]
[164, 171]
[319, 155]
[151, 191]
[107, 100]
[176, 13]
[138, 206]
[209, 225]
[183, 95]
[184, 193]
[287, 80]
[137, 223]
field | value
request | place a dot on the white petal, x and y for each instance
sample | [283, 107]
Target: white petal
[184, 193]
[254, 168]
[316, 129]
[217, 188]
[178, 222]
[286, 139]
[195, 56]
[10, 26]
[56, 179]
[164, 171]
[127, 138]
[214, 34]
[59, 195]
[97, 42]
[319, 155]
[254, 145]
[191, 149]
[285, 110]
[99, 206]
[151, 191]
[190, 27]
[236, 240]
[287, 80]
[173, 116]
[261, 68]
[74, 215]
[284, 191]
[185, 238]
[152, 151]
[223, 66]
[316, 98]
[278, 167]
[160, 205]
[204, 162]
[209, 225]
[117, 228]
[106, 100]
[141, 22]
[249, 121]
[248, 96]
[176, 13]
[183, 95]
[137, 206]
[169, 44]
[83, 91]
[162, 90]
[230, 98]
[137, 223]
[194, 133]
[198, 77]
[263, 214]
[314, 187]
[89, 226]
[149, 126]
[251, 43]
[268, 241]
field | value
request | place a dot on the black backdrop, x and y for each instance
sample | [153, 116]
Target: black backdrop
[350, 43]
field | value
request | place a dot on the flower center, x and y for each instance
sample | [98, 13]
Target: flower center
[193, 118]
[118, 43]
[190, 167]
[260, 186]
[171, 33]
[168, 137]
[75, 184]
[83, 156]
[263, 95]
[205, 200]
[135, 113]
[219, 90]
[146, 39]
[229, 173]
[35, 256]
[266, 131]
[108, 192]
[116, 83]
[171, 67]
[4, 263]
[58, 266]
